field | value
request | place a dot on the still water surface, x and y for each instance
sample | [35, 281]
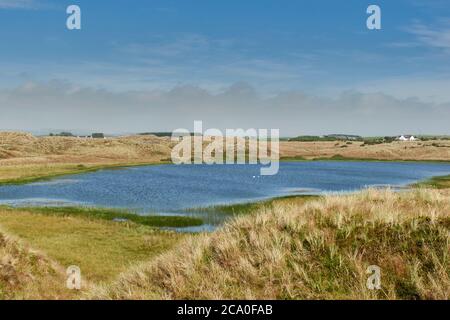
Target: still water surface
[171, 189]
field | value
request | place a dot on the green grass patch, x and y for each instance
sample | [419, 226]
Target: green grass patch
[250, 207]
[232, 209]
[115, 214]
[338, 157]
[71, 170]
[294, 158]
[442, 182]
[102, 249]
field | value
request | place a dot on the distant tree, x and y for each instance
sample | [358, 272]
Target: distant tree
[66, 134]
[98, 135]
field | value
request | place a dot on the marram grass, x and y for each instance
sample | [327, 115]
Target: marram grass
[316, 250]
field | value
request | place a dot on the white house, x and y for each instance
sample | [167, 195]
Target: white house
[406, 138]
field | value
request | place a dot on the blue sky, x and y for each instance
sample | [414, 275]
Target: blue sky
[321, 49]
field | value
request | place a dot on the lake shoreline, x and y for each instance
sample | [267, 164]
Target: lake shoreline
[436, 182]
[349, 159]
[228, 211]
[235, 209]
[84, 169]
[111, 214]
[224, 209]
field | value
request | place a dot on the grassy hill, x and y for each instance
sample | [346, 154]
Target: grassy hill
[314, 250]
[26, 158]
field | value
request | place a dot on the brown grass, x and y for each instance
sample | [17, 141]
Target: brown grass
[417, 150]
[317, 250]
[23, 148]
[28, 274]
[24, 157]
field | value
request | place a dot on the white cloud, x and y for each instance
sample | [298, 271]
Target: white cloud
[17, 4]
[437, 37]
[179, 46]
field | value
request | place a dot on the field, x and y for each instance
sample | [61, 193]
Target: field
[287, 248]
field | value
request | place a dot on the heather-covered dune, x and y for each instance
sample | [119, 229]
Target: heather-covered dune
[317, 250]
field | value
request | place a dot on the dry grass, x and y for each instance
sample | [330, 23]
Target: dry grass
[26, 157]
[316, 250]
[418, 150]
[28, 274]
[23, 146]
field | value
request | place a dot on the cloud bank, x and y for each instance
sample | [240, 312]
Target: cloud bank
[58, 104]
